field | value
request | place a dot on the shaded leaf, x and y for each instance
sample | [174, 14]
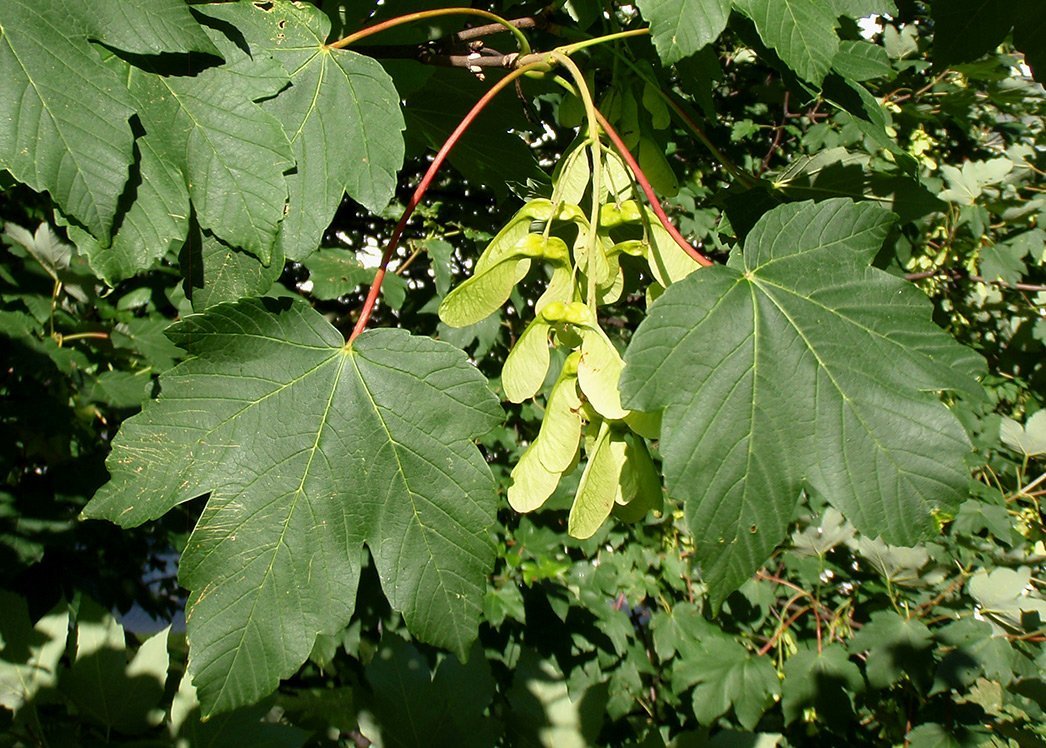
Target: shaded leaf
[214, 272]
[341, 113]
[65, 125]
[144, 27]
[896, 647]
[728, 676]
[964, 30]
[105, 686]
[154, 222]
[29, 653]
[231, 153]
[826, 680]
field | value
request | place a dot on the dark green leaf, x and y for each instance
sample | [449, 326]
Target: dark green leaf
[335, 272]
[896, 647]
[143, 27]
[153, 223]
[964, 30]
[341, 113]
[728, 676]
[309, 450]
[784, 397]
[825, 680]
[861, 61]
[64, 126]
[215, 272]
[231, 153]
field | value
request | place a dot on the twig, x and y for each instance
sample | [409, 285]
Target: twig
[959, 274]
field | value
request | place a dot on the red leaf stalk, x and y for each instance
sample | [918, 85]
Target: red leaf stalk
[422, 188]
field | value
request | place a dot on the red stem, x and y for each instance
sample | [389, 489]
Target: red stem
[422, 188]
[651, 196]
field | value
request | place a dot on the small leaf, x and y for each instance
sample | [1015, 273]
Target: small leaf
[824, 680]
[1029, 439]
[47, 249]
[967, 184]
[335, 272]
[896, 647]
[802, 32]
[682, 27]
[727, 675]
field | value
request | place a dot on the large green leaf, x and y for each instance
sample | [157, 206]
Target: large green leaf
[491, 148]
[63, 114]
[232, 154]
[805, 369]
[802, 32]
[309, 450]
[682, 27]
[341, 113]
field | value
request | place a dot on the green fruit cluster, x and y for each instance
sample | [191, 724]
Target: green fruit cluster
[584, 417]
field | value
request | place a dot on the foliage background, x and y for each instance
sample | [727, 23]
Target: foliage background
[839, 639]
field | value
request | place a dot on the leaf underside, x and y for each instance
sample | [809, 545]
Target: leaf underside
[810, 371]
[310, 450]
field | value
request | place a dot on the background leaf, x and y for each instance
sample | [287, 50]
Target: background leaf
[802, 32]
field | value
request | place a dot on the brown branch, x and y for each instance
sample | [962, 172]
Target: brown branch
[538, 21]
